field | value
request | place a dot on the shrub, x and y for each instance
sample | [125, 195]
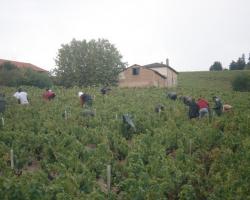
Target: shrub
[10, 75]
[217, 66]
[37, 79]
[241, 83]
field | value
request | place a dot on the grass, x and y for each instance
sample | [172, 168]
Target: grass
[208, 80]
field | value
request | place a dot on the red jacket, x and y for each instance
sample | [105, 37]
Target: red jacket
[202, 103]
[48, 95]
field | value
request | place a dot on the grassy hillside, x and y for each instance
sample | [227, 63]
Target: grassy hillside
[167, 157]
[208, 80]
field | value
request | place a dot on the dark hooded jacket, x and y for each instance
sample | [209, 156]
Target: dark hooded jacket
[193, 110]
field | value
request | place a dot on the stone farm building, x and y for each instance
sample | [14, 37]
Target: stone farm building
[156, 75]
[22, 65]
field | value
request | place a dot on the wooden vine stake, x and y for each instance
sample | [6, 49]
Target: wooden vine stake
[65, 114]
[12, 159]
[2, 121]
[248, 117]
[108, 177]
[159, 113]
[176, 139]
[190, 147]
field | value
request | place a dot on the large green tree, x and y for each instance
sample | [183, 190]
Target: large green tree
[217, 66]
[84, 63]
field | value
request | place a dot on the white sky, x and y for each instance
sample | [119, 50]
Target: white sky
[191, 33]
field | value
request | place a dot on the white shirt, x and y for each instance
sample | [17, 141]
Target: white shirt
[22, 96]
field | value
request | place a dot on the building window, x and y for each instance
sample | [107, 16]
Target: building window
[136, 71]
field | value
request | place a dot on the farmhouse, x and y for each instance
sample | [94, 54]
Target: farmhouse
[22, 65]
[156, 74]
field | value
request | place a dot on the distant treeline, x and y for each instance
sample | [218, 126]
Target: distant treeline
[240, 64]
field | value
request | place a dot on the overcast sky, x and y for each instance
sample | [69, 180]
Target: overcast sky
[191, 33]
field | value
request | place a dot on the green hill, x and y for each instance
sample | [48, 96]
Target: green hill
[208, 80]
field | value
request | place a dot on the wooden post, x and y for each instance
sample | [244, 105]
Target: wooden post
[190, 147]
[12, 159]
[159, 111]
[248, 117]
[65, 114]
[108, 177]
[2, 121]
[176, 140]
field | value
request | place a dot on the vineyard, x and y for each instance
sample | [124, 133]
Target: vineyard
[59, 153]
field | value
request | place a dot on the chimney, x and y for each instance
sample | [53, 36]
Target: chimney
[167, 62]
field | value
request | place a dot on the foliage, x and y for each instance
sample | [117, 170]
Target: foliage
[169, 157]
[217, 66]
[247, 67]
[241, 83]
[10, 75]
[32, 78]
[85, 63]
[239, 65]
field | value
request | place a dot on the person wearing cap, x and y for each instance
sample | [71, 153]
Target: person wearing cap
[218, 107]
[21, 96]
[48, 94]
[85, 99]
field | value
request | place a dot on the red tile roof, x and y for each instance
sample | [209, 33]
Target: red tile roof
[23, 65]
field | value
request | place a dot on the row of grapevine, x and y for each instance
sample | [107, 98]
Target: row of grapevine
[168, 156]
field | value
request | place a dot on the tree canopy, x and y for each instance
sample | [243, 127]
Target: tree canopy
[217, 66]
[84, 63]
[239, 65]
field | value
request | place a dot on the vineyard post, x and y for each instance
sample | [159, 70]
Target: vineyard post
[12, 159]
[65, 114]
[176, 139]
[190, 147]
[2, 121]
[108, 177]
[159, 111]
[69, 112]
[248, 117]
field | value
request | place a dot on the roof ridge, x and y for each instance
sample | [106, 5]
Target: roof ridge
[24, 65]
[159, 66]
